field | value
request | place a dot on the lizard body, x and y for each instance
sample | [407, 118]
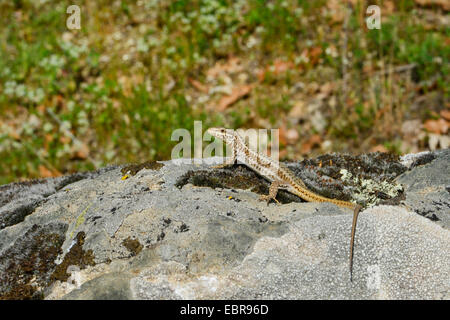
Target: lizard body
[280, 176]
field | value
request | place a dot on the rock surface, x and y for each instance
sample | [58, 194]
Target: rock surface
[158, 235]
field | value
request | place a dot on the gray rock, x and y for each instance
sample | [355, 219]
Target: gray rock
[155, 235]
[17, 200]
[428, 187]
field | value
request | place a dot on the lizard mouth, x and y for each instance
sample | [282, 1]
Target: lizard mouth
[217, 132]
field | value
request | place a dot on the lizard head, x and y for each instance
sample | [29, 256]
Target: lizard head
[226, 135]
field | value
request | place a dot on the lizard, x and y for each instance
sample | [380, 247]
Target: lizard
[280, 176]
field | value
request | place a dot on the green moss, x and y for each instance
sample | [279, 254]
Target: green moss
[76, 256]
[235, 177]
[133, 245]
[30, 262]
[135, 168]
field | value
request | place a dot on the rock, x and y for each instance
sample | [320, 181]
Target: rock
[186, 231]
[428, 186]
[17, 200]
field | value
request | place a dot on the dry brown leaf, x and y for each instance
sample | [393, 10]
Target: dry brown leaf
[261, 75]
[314, 55]
[48, 137]
[47, 173]
[354, 2]
[282, 154]
[64, 139]
[445, 114]
[333, 4]
[388, 7]
[308, 145]
[327, 88]
[80, 152]
[280, 66]
[337, 8]
[311, 55]
[13, 134]
[312, 87]
[198, 85]
[350, 101]
[368, 68]
[298, 110]
[236, 94]
[337, 11]
[282, 135]
[379, 148]
[58, 101]
[436, 126]
[41, 109]
[233, 65]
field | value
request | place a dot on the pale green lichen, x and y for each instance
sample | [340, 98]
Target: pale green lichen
[367, 189]
[80, 220]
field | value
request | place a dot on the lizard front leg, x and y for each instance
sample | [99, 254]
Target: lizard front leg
[229, 161]
[273, 190]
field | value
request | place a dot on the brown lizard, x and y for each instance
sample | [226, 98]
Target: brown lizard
[279, 175]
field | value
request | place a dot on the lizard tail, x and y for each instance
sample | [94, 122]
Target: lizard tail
[352, 240]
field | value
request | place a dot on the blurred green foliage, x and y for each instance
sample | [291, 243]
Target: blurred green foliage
[114, 91]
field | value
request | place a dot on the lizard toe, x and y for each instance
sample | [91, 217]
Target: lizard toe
[268, 198]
